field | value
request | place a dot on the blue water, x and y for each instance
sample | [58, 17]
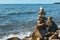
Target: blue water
[22, 17]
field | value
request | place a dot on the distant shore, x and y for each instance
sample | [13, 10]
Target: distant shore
[57, 3]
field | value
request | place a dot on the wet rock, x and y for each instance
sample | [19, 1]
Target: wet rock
[14, 38]
[27, 38]
[55, 36]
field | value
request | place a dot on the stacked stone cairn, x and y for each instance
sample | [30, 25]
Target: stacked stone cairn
[41, 16]
[41, 21]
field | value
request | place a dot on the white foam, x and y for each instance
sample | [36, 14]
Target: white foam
[59, 35]
[20, 35]
[58, 26]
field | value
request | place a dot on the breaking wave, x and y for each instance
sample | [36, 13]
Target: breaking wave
[20, 35]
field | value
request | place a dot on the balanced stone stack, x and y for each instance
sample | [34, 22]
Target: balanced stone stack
[41, 21]
[41, 16]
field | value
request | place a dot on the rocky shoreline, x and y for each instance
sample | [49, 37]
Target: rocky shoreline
[53, 37]
[45, 29]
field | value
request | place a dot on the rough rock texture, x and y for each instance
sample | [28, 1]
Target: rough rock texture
[34, 36]
[14, 38]
[55, 36]
[27, 38]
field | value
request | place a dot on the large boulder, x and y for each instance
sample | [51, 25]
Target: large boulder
[55, 36]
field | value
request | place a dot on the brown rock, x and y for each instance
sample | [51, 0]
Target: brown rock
[27, 38]
[55, 36]
[36, 35]
[41, 12]
[14, 38]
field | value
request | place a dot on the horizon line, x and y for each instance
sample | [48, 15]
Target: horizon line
[31, 3]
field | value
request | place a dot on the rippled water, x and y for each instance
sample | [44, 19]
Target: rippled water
[22, 17]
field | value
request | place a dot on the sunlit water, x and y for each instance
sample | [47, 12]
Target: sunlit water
[21, 18]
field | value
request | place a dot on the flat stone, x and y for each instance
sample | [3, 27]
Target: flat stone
[14, 38]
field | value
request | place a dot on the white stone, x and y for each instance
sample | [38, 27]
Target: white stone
[41, 7]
